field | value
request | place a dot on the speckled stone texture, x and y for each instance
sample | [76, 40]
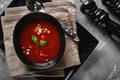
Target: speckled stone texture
[103, 62]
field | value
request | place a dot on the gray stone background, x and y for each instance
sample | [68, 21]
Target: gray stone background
[102, 64]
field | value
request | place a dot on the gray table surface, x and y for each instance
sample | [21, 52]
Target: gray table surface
[104, 61]
[102, 64]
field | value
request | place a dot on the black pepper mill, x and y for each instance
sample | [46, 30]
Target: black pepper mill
[101, 18]
[113, 6]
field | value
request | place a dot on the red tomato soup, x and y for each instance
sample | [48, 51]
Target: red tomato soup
[40, 41]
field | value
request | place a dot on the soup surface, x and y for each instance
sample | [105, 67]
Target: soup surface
[40, 41]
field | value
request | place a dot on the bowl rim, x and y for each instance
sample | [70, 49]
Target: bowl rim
[16, 33]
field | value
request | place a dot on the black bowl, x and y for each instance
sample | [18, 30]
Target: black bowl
[16, 40]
